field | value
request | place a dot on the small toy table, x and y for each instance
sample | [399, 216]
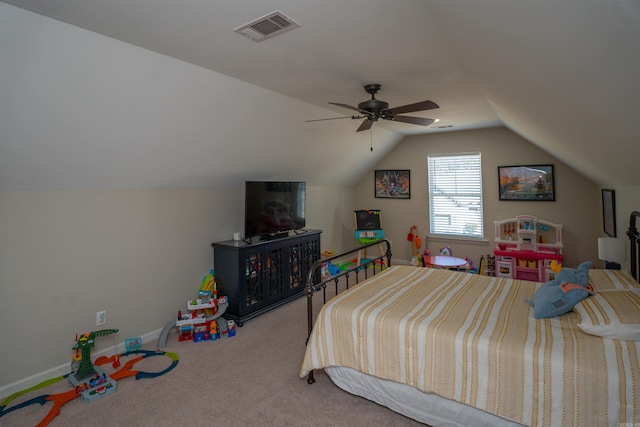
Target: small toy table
[443, 261]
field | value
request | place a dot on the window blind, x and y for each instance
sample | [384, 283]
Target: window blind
[455, 195]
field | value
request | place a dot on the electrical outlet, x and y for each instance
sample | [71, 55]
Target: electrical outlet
[101, 317]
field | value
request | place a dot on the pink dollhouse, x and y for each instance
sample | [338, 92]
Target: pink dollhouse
[525, 247]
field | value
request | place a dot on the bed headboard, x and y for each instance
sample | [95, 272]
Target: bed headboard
[634, 238]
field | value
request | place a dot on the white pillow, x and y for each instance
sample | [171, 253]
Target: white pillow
[611, 314]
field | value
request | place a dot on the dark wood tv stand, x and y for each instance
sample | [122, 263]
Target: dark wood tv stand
[263, 274]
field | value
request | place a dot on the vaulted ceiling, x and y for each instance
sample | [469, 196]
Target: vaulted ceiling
[563, 74]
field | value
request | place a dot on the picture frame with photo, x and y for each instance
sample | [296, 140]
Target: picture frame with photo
[527, 183]
[392, 184]
[609, 212]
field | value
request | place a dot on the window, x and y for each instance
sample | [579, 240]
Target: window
[455, 195]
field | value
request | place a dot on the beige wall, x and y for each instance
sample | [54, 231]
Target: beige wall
[138, 254]
[577, 206]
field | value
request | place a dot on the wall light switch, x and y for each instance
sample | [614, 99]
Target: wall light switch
[101, 317]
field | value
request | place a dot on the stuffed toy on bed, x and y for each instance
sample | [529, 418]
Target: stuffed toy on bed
[560, 295]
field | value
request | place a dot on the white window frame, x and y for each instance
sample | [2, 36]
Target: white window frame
[455, 196]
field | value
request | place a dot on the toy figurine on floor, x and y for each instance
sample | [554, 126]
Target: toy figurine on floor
[446, 251]
[85, 368]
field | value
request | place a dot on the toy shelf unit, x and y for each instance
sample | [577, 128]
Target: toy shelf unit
[525, 248]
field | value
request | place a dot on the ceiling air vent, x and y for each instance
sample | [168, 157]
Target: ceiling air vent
[268, 26]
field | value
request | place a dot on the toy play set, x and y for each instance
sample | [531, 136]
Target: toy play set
[204, 322]
[526, 246]
[198, 326]
[89, 381]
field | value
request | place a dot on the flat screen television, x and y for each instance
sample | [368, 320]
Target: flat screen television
[273, 208]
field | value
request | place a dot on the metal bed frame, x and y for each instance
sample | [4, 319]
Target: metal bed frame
[363, 269]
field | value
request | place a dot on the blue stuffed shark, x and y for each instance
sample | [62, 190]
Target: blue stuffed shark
[560, 295]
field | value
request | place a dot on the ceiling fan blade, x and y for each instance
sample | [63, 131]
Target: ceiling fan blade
[366, 125]
[366, 113]
[410, 108]
[422, 121]
[335, 118]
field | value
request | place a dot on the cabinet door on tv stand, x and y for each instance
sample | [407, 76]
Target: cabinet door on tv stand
[297, 254]
[274, 273]
[252, 277]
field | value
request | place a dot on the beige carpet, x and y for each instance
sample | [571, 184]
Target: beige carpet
[248, 380]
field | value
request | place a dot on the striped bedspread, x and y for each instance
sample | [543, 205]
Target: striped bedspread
[473, 339]
[611, 280]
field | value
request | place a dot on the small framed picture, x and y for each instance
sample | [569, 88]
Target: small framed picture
[393, 184]
[527, 183]
[609, 212]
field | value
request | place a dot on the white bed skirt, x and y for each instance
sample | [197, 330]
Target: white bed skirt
[427, 408]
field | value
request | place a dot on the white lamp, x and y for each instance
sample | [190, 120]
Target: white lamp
[612, 251]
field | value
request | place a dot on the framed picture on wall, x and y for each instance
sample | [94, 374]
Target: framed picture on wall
[393, 184]
[527, 183]
[609, 212]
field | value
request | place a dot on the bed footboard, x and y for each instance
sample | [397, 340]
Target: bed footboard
[328, 271]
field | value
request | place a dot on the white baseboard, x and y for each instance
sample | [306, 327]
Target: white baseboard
[58, 371]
